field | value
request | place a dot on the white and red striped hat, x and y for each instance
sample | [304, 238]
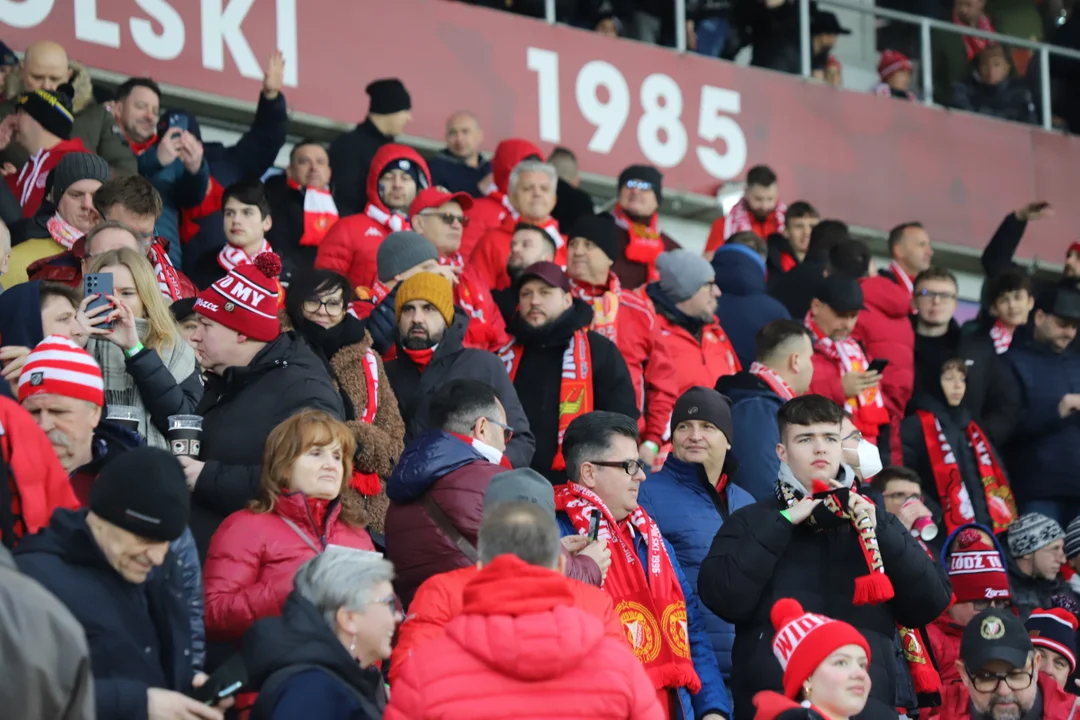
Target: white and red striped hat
[804, 640]
[57, 366]
[1054, 629]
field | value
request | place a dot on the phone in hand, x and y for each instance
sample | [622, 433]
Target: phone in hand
[223, 684]
[594, 526]
[100, 284]
[178, 121]
[878, 365]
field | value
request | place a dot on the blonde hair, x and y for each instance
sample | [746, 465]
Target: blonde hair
[161, 332]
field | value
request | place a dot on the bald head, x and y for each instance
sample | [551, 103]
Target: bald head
[45, 66]
[464, 137]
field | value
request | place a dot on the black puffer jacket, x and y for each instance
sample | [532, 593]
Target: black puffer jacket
[759, 557]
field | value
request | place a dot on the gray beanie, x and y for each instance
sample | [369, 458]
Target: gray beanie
[1072, 539]
[1031, 532]
[74, 167]
[682, 273]
[521, 485]
[401, 251]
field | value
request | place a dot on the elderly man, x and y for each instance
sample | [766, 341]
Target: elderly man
[304, 211]
[637, 213]
[459, 167]
[489, 211]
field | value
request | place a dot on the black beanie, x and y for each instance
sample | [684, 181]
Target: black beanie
[647, 173]
[144, 492]
[702, 403]
[411, 168]
[51, 109]
[388, 96]
[600, 230]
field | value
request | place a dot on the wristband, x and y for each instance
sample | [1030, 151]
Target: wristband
[132, 352]
[652, 446]
[787, 516]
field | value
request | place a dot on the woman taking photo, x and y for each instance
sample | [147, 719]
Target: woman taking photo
[318, 659]
[145, 362]
[304, 505]
[317, 305]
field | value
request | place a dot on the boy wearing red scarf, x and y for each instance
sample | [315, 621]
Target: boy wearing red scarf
[655, 604]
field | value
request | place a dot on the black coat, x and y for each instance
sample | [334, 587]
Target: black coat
[759, 557]
[539, 377]
[287, 211]
[454, 362]
[571, 203]
[351, 154]
[239, 410]
[139, 635]
[795, 288]
[1009, 100]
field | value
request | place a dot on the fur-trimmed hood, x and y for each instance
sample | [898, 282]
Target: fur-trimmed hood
[80, 81]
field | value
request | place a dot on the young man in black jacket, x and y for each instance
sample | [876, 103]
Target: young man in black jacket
[827, 547]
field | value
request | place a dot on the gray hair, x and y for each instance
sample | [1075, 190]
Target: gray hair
[341, 578]
[522, 529]
[533, 166]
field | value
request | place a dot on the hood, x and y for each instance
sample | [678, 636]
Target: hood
[519, 619]
[427, 459]
[739, 270]
[933, 400]
[66, 537]
[384, 156]
[743, 385]
[508, 154]
[20, 315]
[944, 555]
[885, 296]
[83, 85]
[665, 307]
[555, 333]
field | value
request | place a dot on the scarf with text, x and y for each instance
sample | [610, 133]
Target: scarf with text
[648, 600]
[491, 454]
[645, 241]
[550, 226]
[167, 276]
[849, 354]
[770, 377]
[63, 232]
[393, 220]
[465, 295]
[604, 300]
[955, 500]
[902, 277]
[1002, 337]
[320, 213]
[740, 219]
[575, 388]
[973, 45]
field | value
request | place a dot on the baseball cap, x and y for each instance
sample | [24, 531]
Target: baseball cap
[549, 272]
[992, 635]
[435, 196]
[840, 292]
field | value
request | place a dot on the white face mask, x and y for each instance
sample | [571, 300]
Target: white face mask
[869, 459]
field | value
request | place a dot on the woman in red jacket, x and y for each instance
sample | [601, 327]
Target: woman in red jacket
[304, 504]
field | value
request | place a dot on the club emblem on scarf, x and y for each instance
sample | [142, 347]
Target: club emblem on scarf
[674, 624]
[641, 629]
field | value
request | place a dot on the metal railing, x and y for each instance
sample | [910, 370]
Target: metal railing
[925, 24]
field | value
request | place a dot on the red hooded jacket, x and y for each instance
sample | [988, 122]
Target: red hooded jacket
[350, 247]
[697, 362]
[944, 636]
[1057, 704]
[521, 649]
[28, 185]
[487, 212]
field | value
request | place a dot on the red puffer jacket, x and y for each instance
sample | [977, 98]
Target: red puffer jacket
[350, 247]
[697, 362]
[1057, 704]
[253, 557]
[944, 636]
[521, 649]
[487, 212]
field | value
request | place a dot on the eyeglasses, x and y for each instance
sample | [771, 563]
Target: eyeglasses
[639, 184]
[508, 432]
[981, 605]
[448, 218]
[389, 601]
[903, 497]
[333, 307]
[987, 682]
[853, 435]
[630, 467]
[935, 296]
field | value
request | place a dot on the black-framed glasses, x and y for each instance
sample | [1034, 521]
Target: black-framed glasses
[988, 682]
[508, 432]
[333, 307]
[933, 296]
[639, 184]
[448, 218]
[630, 467]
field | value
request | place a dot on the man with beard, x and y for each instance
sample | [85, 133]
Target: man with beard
[561, 369]
[430, 354]
[759, 211]
[528, 245]
[637, 214]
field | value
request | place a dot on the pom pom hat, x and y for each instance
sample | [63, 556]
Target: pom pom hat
[803, 641]
[246, 299]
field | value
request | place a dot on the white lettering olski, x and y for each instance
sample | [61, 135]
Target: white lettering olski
[91, 28]
[170, 42]
[25, 13]
[221, 29]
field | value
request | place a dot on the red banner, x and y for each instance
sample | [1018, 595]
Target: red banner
[869, 160]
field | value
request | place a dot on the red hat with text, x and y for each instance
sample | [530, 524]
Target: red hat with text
[804, 640]
[57, 366]
[976, 569]
[1054, 629]
[246, 299]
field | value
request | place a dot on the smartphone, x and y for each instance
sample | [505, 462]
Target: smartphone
[878, 365]
[179, 121]
[594, 526]
[100, 284]
[224, 683]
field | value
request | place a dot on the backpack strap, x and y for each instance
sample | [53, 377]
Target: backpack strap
[271, 688]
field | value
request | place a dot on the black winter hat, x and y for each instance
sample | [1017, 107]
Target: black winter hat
[144, 492]
[51, 109]
[646, 173]
[600, 230]
[702, 403]
[388, 96]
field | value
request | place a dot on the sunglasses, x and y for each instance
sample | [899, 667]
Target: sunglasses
[448, 218]
[639, 184]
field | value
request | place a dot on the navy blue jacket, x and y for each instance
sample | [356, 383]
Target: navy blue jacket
[714, 695]
[179, 190]
[684, 505]
[20, 315]
[138, 635]
[1044, 450]
[753, 414]
[449, 171]
[743, 306]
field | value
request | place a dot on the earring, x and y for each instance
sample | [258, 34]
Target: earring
[807, 689]
[352, 646]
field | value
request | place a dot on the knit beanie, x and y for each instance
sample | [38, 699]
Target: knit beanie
[702, 403]
[410, 168]
[57, 366]
[892, 61]
[1054, 629]
[430, 287]
[246, 299]
[144, 492]
[51, 109]
[401, 251]
[682, 273]
[521, 485]
[976, 568]
[646, 173]
[803, 640]
[600, 230]
[74, 167]
[388, 96]
[1032, 531]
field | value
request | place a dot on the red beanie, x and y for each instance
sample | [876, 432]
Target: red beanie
[892, 62]
[246, 299]
[803, 641]
[976, 569]
[1074, 248]
[57, 366]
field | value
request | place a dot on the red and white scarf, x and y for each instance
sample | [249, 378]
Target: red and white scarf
[604, 300]
[648, 599]
[770, 377]
[868, 406]
[371, 382]
[320, 213]
[454, 261]
[740, 219]
[1002, 337]
[645, 241]
[550, 226]
[231, 256]
[393, 220]
[167, 276]
[492, 455]
[973, 45]
[63, 232]
[902, 277]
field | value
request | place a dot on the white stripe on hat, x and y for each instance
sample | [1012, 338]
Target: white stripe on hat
[1049, 616]
[61, 354]
[53, 373]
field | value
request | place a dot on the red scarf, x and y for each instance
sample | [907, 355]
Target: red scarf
[955, 500]
[575, 389]
[167, 276]
[645, 241]
[484, 449]
[320, 213]
[604, 300]
[1002, 337]
[64, 233]
[867, 407]
[139, 148]
[371, 383]
[902, 277]
[648, 600]
[972, 45]
[787, 261]
[740, 219]
[770, 377]
[422, 358]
